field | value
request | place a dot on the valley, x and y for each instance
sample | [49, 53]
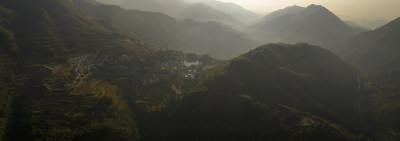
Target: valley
[131, 70]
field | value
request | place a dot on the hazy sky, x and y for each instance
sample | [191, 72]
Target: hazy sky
[345, 9]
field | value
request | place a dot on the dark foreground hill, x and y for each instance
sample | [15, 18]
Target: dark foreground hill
[67, 74]
[64, 76]
[274, 92]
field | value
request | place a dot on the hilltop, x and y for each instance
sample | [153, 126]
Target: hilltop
[374, 49]
[313, 24]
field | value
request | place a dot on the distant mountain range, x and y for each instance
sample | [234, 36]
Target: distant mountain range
[212, 38]
[82, 70]
[208, 10]
[204, 13]
[171, 7]
[314, 24]
[279, 13]
[234, 10]
[375, 49]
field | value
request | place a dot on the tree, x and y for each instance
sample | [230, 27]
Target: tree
[205, 59]
[191, 57]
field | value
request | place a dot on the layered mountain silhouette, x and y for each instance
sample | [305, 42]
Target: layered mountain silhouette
[204, 13]
[375, 49]
[187, 35]
[82, 70]
[314, 24]
[170, 7]
[234, 10]
[209, 10]
[376, 53]
[282, 12]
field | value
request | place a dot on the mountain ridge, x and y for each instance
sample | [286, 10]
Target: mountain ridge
[262, 82]
[314, 24]
[374, 48]
[186, 35]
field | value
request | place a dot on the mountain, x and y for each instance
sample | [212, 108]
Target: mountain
[274, 92]
[282, 12]
[376, 53]
[370, 24]
[64, 76]
[204, 13]
[314, 24]
[180, 9]
[375, 48]
[112, 2]
[81, 70]
[212, 38]
[234, 10]
[170, 7]
[275, 67]
[50, 32]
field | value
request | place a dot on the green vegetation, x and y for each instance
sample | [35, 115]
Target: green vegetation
[375, 53]
[7, 92]
[68, 73]
[6, 12]
[293, 72]
[191, 57]
[250, 98]
[6, 34]
[35, 105]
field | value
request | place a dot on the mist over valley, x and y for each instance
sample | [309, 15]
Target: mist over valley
[144, 70]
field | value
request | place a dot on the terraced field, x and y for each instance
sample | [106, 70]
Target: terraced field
[68, 114]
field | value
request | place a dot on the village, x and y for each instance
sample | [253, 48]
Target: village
[143, 70]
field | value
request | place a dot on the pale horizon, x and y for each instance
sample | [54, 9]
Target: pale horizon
[347, 10]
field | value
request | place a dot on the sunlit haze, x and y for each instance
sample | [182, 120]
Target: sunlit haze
[200, 70]
[353, 9]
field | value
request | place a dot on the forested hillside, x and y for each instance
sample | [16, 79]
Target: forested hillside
[274, 92]
[66, 77]
[376, 53]
[78, 70]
